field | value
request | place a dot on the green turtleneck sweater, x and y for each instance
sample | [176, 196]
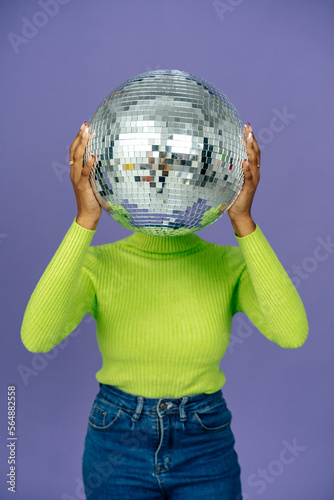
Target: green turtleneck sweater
[163, 306]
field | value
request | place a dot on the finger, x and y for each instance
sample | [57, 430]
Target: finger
[248, 175]
[250, 147]
[256, 146]
[244, 138]
[90, 165]
[82, 143]
[254, 159]
[77, 166]
[76, 140]
[79, 152]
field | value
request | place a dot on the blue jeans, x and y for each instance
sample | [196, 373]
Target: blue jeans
[156, 448]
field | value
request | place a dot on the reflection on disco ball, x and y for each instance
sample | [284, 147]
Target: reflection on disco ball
[171, 147]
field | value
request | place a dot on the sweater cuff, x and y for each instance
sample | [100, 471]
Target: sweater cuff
[80, 236]
[259, 255]
[239, 238]
[77, 239]
[253, 243]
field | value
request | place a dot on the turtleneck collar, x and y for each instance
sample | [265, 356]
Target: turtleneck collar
[163, 244]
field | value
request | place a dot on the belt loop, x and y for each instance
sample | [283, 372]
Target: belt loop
[139, 407]
[183, 415]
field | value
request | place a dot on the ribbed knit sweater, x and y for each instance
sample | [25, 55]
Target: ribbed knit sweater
[163, 306]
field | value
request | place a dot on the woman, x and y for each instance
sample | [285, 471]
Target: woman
[159, 426]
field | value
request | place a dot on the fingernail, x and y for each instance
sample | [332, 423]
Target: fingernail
[250, 136]
[85, 132]
[250, 127]
[247, 163]
[83, 126]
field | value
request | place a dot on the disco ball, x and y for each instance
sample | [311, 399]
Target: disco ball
[171, 147]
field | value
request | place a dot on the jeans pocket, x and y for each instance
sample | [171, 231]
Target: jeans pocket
[103, 414]
[214, 418]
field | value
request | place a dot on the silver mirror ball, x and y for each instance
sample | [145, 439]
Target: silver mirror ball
[171, 147]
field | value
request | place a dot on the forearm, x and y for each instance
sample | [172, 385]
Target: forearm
[268, 296]
[48, 307]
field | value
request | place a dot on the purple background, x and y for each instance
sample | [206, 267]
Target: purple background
[266, 56]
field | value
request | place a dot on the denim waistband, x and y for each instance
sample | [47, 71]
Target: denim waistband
[131, 401]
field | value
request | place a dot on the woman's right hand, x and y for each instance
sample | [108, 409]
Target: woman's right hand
[89, 209]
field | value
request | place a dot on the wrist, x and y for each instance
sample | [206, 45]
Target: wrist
[243, 226]
[87, 223]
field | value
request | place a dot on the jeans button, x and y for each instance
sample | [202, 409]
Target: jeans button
[163, 406]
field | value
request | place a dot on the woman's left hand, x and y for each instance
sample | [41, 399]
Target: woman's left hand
[241, 208]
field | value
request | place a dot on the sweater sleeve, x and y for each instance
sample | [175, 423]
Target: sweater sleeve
[64, 293]
[266, 294]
